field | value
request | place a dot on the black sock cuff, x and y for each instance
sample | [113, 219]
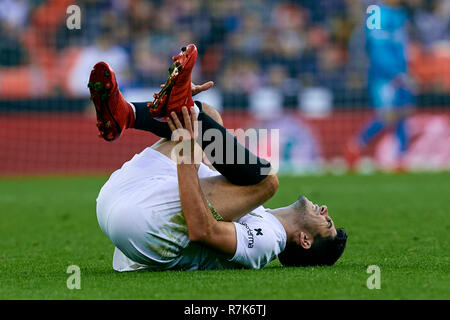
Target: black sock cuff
[199, 105]
[145, 122]
[247, 173]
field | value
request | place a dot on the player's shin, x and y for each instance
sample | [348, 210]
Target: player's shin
[251, 170]
[145, 122]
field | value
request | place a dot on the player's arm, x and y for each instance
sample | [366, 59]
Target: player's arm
[201, 224]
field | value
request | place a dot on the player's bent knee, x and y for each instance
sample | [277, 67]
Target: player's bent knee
[212, 112]
[274, 183]
[270, 186]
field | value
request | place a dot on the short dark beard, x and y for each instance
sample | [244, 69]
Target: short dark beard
[300, 204]
[301, 208]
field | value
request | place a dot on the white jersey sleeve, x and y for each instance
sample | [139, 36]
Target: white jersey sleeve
[260, 238]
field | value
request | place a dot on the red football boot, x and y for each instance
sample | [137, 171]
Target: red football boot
[176, 92]
[114, 114]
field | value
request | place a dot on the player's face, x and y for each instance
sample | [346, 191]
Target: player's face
[316, 218]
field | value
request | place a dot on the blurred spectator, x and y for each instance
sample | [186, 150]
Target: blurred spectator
[14, 13]
[104, 49]
[239, 79]
[242, 44]
[430, 54]
[432, 21]
[12, 53]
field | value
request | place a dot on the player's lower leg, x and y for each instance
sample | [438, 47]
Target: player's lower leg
[251, 171]
[402, 136]
[401, 133]
[248, 172]
[144, 121]
[370, 132]
[354, 146]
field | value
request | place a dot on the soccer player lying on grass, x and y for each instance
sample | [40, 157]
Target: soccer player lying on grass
[164, 213]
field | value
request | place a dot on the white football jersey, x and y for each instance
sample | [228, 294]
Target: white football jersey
[260, 238]
[139, 209]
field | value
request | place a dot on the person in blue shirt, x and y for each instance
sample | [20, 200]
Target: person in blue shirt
[390, 88]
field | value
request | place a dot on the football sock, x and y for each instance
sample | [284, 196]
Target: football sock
[229, 157]
[402, 136]
[145, 122]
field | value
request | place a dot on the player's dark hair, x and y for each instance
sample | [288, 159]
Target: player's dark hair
[323, 251]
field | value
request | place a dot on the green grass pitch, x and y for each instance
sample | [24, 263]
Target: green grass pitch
[399, 222]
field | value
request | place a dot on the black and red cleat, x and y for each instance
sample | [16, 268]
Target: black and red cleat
[114, 114]
[176, 92]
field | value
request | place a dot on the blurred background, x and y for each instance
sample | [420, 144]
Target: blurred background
[344, 94]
